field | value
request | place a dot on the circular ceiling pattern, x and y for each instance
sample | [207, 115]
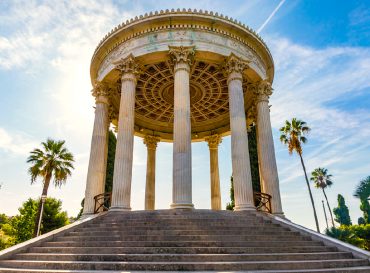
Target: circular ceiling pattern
[208, 96]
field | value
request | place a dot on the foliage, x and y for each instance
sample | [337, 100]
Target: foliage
[231, 205]
[54, 158]
[342, 212]
[53, 216]
[112, 142]
[363, 192]
[6, 238]
[253, 158]
[322, 180]
[21, 226]
[357, 235]
[363, 189]
[24, 223]
[293, 134]
[365, 207]
[361, 221]
[52, 161]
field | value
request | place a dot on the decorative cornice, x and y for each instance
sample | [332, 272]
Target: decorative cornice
[128, 65]
[101, 92]
[213, 141]
[263, 91]
[181, 54]
[146, 16]
[151, 141]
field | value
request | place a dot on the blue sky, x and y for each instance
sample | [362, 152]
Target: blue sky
[322, 60]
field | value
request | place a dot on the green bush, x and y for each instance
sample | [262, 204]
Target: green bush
[357, 235]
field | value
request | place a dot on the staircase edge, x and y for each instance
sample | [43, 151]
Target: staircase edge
[8, 252]
[327, 240]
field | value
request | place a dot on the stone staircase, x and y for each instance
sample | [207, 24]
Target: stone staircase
[183, 240]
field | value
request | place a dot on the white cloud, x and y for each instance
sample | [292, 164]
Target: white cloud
[15, 143]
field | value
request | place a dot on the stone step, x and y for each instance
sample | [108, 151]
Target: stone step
[180, 266]
[362, 269]
[223, 238]
[185, 257]
[171, 232]
[182, 243]
[181, 250]
[184, 226]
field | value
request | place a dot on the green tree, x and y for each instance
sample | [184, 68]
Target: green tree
[253, 158]
[53, 216]
[231, 205]
[361, 221]
[52, 161]
[322, 180]
[357, 235]
[342, 212]
[23, 223]
[112, 142]
[363, 192]
[292, 135]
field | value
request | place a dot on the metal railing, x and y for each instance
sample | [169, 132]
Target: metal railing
[102, 202]
[262, 201]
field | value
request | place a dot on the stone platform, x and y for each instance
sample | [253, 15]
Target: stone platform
[188, 240]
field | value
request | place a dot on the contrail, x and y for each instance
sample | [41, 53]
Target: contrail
[271, 15]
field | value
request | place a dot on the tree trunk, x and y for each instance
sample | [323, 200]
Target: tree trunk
[326, 218]
[309, 190]
[44, 192]
[327, 202]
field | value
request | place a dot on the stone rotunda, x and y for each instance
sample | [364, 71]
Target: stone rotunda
[182, 76]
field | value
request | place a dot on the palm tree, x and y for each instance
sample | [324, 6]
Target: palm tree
[322, 180]
[292, 135]
[363, 193]
[52, 161]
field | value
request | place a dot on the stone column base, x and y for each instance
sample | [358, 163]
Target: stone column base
[182, 206]
[119, 209]
[244, 207]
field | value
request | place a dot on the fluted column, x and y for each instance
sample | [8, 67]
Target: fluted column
[182, 188]
[121, 194]
[151, 145]
[243, 189]
[213, 142]
[267, 160]
[99, 148]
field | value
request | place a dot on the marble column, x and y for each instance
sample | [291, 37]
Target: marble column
[151, 145]
[99, 149]
[266, 151]
[121, 194]
[243, 189]
[182, 188]
[213, 142]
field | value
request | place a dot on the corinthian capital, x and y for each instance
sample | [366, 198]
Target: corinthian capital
[128, 65]
[181, 54]
[235, 64]
[263, 91]
[151, 141]
[101, 93]
[213, 141]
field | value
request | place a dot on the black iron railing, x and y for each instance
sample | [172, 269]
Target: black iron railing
[102, 202]
[262, 201]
